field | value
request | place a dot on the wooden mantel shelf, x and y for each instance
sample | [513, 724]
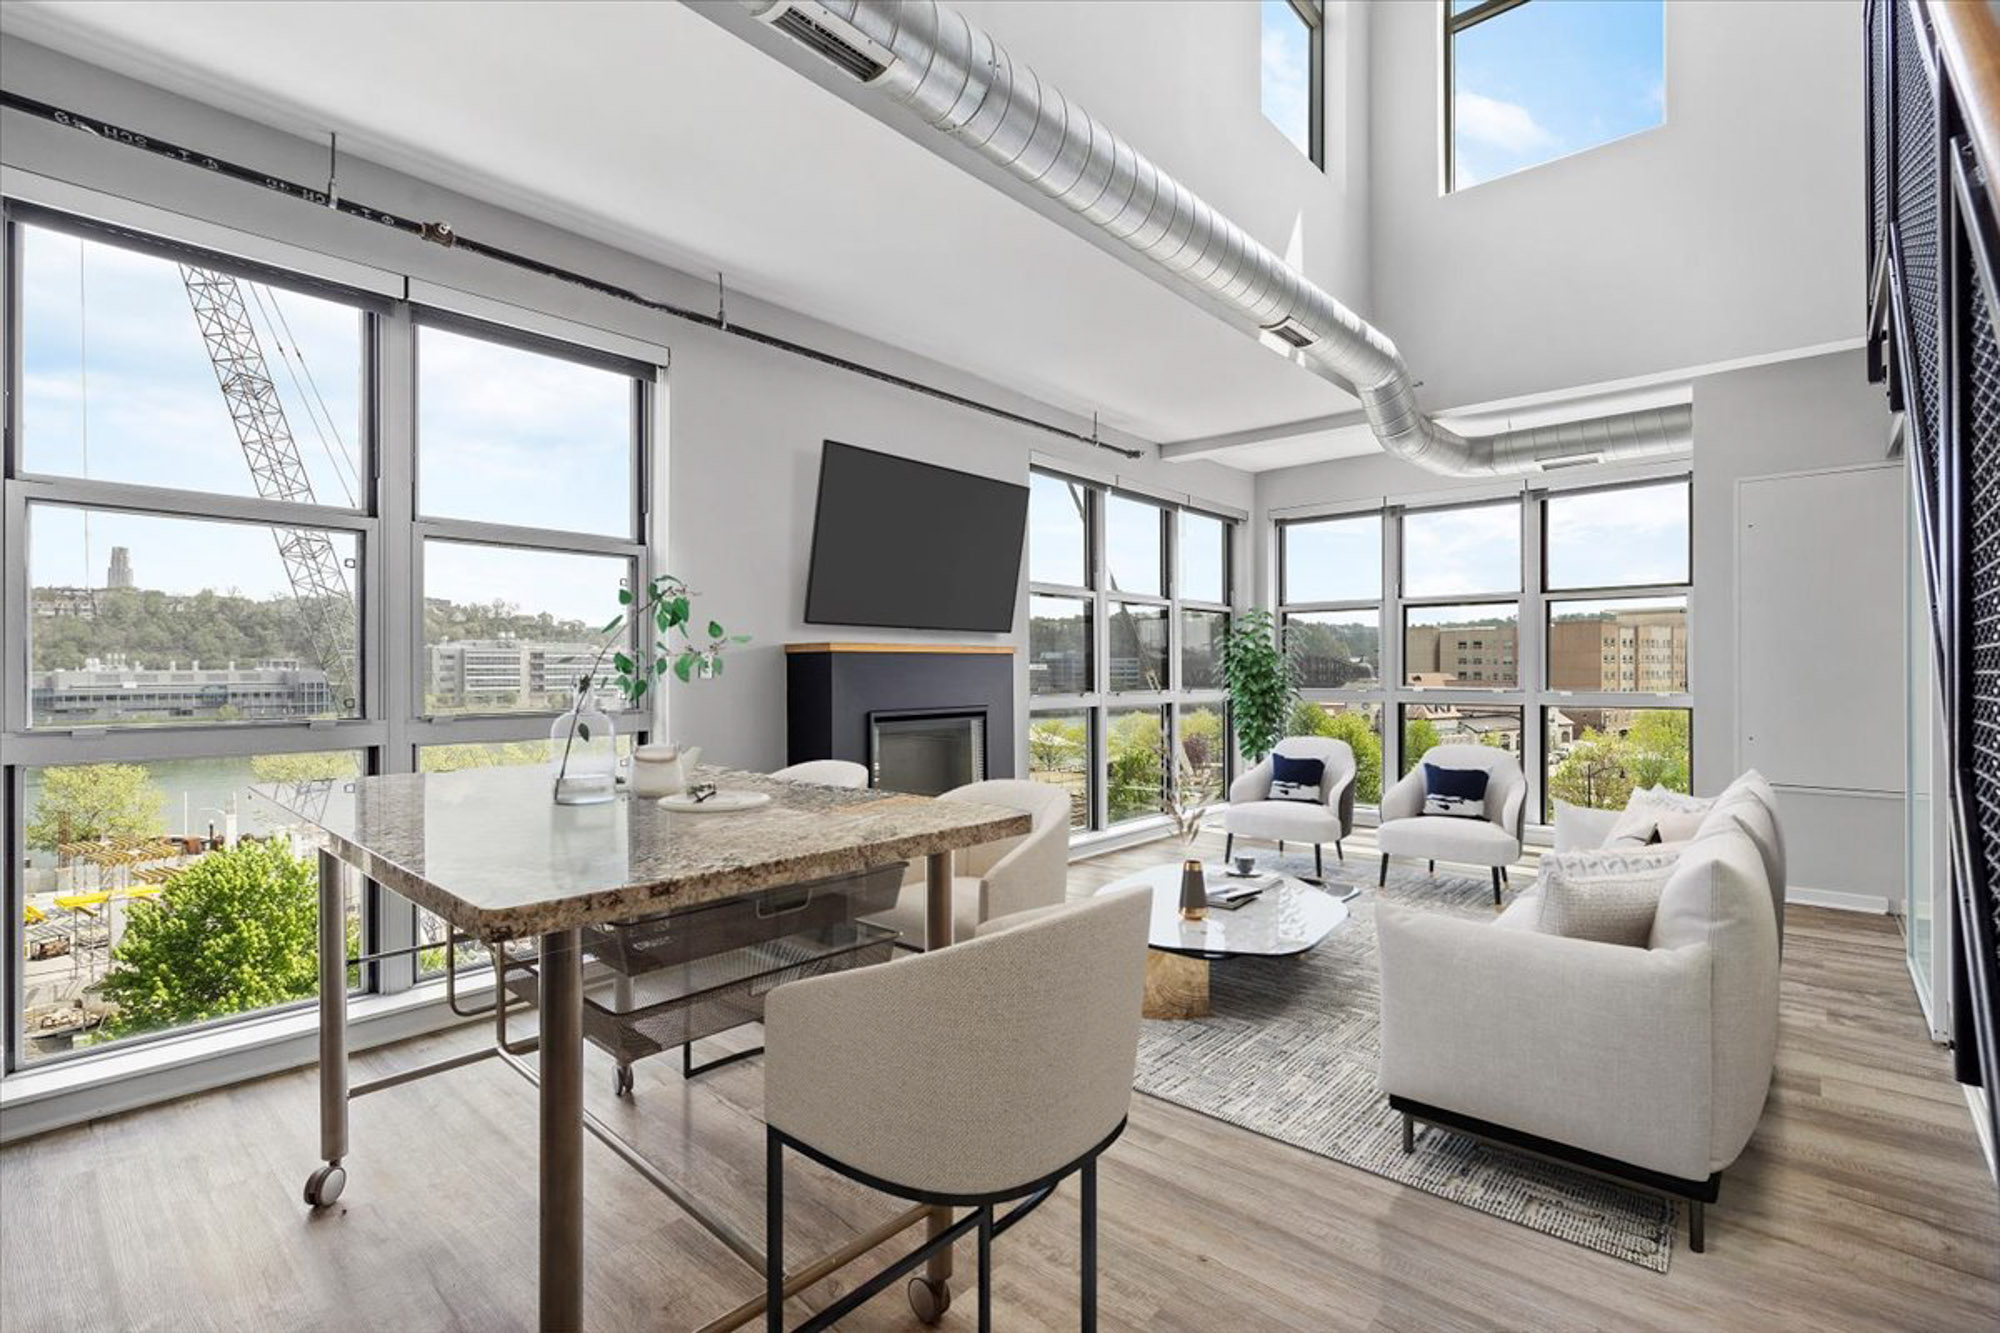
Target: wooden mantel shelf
[899, 648]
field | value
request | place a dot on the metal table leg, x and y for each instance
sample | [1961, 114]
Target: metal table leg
[561, 1003]
[930, 1295]
[325, 1184]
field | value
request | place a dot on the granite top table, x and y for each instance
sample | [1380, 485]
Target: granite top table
[490, 852]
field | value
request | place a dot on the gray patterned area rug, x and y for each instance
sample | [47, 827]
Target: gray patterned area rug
[1290, 1052]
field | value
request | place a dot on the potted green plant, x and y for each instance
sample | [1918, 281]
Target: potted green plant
[666, 642]
[1260, 680]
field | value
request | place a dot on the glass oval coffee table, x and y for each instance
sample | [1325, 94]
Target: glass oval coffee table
[1287, 919]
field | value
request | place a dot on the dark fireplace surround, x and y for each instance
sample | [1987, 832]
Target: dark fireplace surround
[921, 718]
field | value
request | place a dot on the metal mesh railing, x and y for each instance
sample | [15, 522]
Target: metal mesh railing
[1978, 402]
[1916, 214]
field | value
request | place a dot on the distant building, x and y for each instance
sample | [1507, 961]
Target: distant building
[113, 691]
[120, 573]
[1462, 654]
[77, 603]
[505, 672]
[1643, 652]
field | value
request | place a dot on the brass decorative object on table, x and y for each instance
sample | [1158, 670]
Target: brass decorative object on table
[1194, 891]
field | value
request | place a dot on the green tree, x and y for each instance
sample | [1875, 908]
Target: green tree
[85, 802]
[1206, 745]
[1419, 736]
[233, 932]
[503, 754]
[1133, 775]
[1658, 746]
[1261, 683]
[335, 766]
[1596, 772]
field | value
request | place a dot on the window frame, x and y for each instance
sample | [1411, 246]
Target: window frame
[1312, 14]
[1531, 696]
[1098, 701]
[390, 725]
[1455, 24]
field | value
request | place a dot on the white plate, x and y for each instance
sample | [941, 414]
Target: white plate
[722, 803]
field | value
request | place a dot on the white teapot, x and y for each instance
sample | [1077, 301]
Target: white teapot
[663, 770]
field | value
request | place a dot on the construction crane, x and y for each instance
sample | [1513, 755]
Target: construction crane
[320, 592]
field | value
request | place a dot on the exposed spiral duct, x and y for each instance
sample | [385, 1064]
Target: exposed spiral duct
[932, 62]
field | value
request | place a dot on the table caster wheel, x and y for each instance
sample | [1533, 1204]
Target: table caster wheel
[929, 1300]
[621, 1081]
[324, 1185]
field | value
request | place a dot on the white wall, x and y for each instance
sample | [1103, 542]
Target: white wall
[1797, 416]
[744, 423]
[1733, 230]
[1182, 81]
[1775, 422]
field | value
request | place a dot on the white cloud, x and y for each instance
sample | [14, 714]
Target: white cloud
[1504, 125]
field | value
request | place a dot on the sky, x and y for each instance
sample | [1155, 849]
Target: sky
[1554, 77]
[1287, 72]
[118, 387]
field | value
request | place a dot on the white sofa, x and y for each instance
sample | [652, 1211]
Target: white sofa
[1494, 842]
[1252, 814]
[1650, 1063]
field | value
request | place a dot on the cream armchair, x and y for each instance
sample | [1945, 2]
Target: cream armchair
[1494, 842]
[999, 878]
[1252, 814]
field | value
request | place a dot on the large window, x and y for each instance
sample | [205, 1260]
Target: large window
[1593, 698]
[1292, 53]
[1129, 601]
[1529, 81]
[270, 532]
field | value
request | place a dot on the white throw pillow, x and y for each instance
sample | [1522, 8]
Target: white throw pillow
[1610, 907]
[1655, 814]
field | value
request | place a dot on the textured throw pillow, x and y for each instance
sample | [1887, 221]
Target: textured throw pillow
[1610, 907]
[1296, 779]
[1594, 861]
[1456, 793]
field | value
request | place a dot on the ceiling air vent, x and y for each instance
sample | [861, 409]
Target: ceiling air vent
[1292, 332]
[832, 37]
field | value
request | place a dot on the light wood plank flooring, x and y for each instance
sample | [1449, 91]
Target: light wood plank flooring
[1862, 1203]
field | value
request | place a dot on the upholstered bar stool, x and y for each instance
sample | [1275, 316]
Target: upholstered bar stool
[978, 1075]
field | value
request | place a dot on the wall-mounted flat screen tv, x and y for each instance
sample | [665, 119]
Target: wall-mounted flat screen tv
[900, 544]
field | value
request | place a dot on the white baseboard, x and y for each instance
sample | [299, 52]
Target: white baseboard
[1975, 1100]
[1873, 903]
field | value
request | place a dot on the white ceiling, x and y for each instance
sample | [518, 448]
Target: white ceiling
[645, 126]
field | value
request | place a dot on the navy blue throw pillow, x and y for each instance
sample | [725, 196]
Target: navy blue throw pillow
[1296, 779]
[1456, 793]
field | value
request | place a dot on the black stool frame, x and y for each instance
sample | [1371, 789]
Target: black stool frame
[1032, 1195]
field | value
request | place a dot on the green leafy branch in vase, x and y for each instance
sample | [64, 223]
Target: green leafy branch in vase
[667, 642]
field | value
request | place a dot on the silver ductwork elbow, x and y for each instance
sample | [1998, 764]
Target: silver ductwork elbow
[929, 61]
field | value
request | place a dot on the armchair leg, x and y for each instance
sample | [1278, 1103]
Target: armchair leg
[1319, 865]
[1089, 1224]
[1409, 1133]
[1383, 881]
[1697, 1239]
[774, 1232]
[1496, 886]
[1281, 847]
[986, 1269]
[1229, 846]
[1339, 850]
[1433, 866]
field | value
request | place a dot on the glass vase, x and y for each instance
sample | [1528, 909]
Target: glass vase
[583, 756]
